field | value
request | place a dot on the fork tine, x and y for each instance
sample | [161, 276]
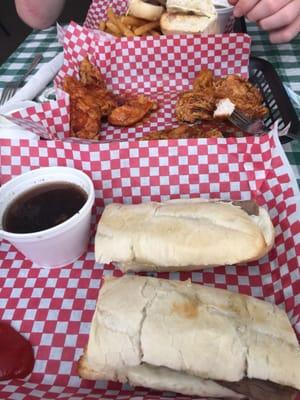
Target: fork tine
[240, 123]
[254, 127]
[4, 95]
[12, 92]
[11, 87]
[242, 117]
[7, 93]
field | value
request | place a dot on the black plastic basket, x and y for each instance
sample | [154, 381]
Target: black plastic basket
[264, 76]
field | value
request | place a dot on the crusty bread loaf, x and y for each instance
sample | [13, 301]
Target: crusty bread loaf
[180, 336]
[171, 23]
[182, 235]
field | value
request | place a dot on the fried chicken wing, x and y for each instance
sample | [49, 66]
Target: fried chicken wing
[133, 111]
[85, 115]
[90, 101]
[193, 106]
[106, 100]
[73, 87]
[201, 102]
[246, 97]
[85, 118]
[183, 132]
[91, 75]
[204, 80]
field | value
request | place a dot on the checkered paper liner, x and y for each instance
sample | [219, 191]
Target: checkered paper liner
[29, 124]
[54, 308]
[160, 67]
[48, 120]
[98, 12]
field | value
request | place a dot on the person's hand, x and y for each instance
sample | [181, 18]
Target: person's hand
[281, 18]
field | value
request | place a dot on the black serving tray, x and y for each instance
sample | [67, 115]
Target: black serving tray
[263, 75]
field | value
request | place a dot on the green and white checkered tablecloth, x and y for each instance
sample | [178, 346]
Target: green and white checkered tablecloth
[285, 58]
[44, 42]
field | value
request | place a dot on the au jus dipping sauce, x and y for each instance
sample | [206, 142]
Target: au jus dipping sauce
[43, 207]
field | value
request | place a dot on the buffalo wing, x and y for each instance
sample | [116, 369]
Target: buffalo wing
[183, 132]
[133, 111]
[91, 101]
[200, 102]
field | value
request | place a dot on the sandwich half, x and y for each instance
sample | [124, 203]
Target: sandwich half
[171, 23]
[184, 234]
[190, 17]
[191, 339]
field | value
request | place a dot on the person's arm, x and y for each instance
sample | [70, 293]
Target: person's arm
[281, 18]
[39, 14]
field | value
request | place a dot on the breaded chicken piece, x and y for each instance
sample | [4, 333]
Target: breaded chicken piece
[90, 101]
[183, 132]
[85, 114]
[133, 111]
[242, 94]
[194, 106]
[90, 75]
[201, 102]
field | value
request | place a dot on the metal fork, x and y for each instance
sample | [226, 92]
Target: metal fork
[255, 127]
[11, 87]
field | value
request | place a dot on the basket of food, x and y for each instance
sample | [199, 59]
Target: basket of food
[186, 275]
[137, 17]
[178, 17]
[150, 87]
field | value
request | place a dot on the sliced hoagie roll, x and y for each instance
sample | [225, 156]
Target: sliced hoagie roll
[192, 339]
[182, 234]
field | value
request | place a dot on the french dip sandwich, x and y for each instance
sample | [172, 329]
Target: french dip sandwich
[189, 16]
[184, 234]
[191, 339]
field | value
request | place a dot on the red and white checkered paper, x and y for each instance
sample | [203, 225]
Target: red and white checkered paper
[160, 67]
[98, 10]
[54, 308]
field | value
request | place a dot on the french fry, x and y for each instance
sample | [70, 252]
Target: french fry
[142, 30]
[113, 28]
[102, 25]
[128, 25]
[111, 16]
[130, 21]
[124, 29]
[115, 20]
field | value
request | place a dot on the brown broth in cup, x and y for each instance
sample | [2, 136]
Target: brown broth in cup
[43, 207]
